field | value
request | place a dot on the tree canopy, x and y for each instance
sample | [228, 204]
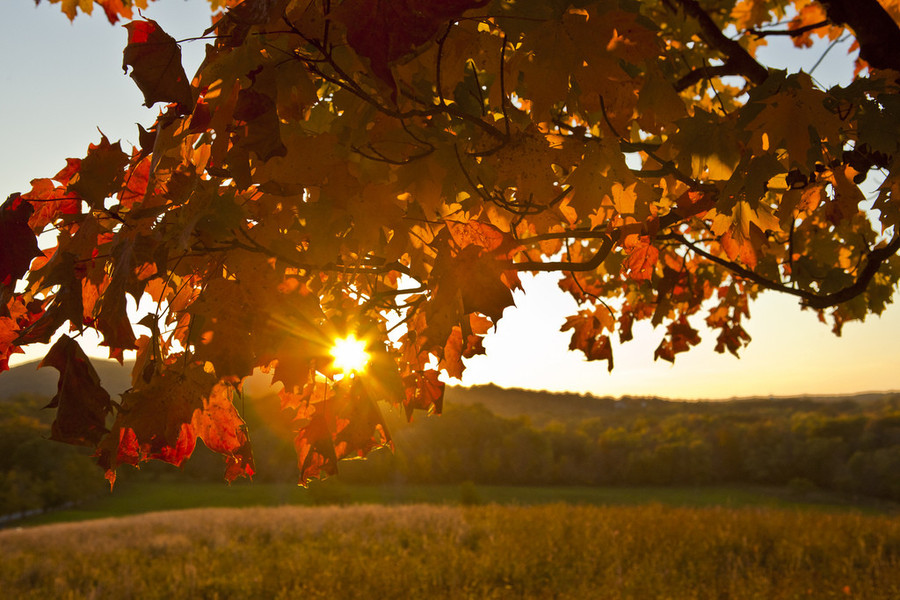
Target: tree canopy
[383, 171]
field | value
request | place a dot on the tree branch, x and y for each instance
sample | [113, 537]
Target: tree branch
[761, 33]
[877, 33]
[589, 265]
[712, 35]
[697, 75]
[874, 261]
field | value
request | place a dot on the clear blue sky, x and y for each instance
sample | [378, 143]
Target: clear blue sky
[62, 82]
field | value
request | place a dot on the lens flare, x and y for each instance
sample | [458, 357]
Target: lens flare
[350, 355]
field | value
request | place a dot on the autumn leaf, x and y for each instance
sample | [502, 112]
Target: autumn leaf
[792, 118]
[314, 441]
[472, 281]
[641, 261]
[114, 9]
[222, 328]
[99, 174]
[588, 334]
[223, 431]
[424, 391]
[384, 32]
[481, 234]
[53, 201]
[359, 426]
[680, 337]
[19, 242]
[9, 333]
[81, 403]
[155, 61]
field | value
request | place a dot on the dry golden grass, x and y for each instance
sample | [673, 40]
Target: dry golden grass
[551, 551]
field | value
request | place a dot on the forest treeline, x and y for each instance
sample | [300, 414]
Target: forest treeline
[849, 445]
[36, 473]
[842, 445]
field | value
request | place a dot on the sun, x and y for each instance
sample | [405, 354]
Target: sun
[350, 355]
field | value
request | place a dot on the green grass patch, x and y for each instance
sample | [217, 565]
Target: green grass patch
[142, 497]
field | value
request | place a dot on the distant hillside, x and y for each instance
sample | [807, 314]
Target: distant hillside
[544, 407]
[28, 379]
[540, 407]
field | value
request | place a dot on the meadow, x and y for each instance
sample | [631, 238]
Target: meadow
[441, 551]
[177, 493]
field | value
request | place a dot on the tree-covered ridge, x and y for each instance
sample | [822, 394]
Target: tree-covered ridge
[845, 445]
[366, 167]
[491, 436]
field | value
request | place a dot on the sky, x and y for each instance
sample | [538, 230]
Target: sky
[63, 82]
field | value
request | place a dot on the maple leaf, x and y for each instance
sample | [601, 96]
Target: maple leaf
[359, 426]
[52, 201]
[155, 61]
[384, 32]
[9, 333]
[314, 441]
[223, 431]
[744, 231]
[222, 323]
[587, 334]
[472, 281]
[641, 261]
[99, 174]
[81, 403]
[680, 336]
[19, 242]
[114, 9]
[811, 14]
[716, 154]
[794, 116]
[424, 391]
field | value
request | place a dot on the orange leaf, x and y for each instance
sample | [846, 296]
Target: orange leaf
[587, 329]
[223, 430]
[8, 335]
[641, 262]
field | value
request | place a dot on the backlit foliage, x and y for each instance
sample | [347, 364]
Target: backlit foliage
[365, 167]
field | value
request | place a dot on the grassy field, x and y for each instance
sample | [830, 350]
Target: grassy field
[433, 551]
[141, 497]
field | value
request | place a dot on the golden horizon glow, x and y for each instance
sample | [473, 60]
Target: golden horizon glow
[350, 355]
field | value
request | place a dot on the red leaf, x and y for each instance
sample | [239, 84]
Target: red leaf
[52, 201]
[19, 242]
[155, 61]
[384, 31]
[423, 391]
[8, 334]
[151, 422]
[223, 430]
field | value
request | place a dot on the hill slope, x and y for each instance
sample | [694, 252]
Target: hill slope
[28, 379]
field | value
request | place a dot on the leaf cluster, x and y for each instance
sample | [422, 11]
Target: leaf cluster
[386, 170]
